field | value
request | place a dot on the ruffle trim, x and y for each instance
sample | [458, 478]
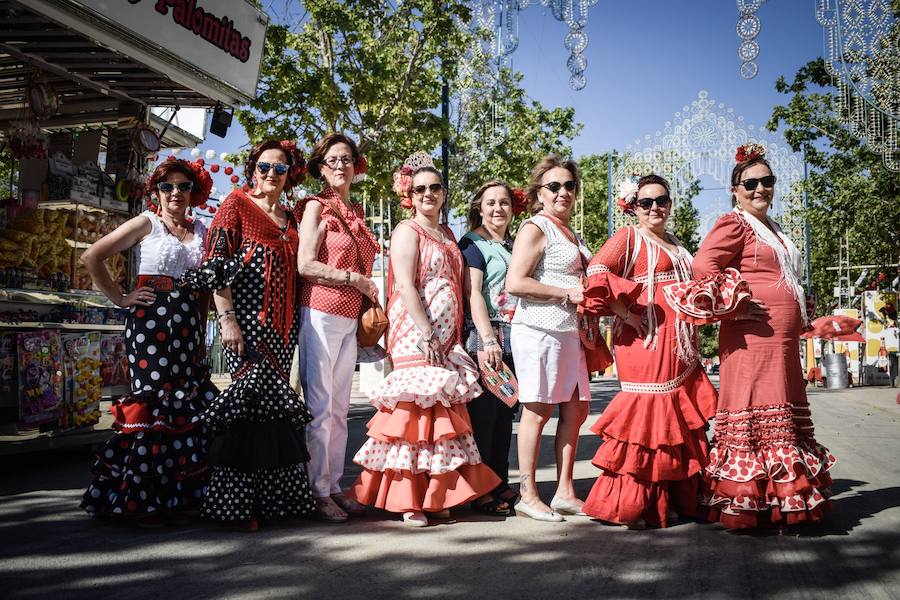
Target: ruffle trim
[709, 299]
[441, 457]
[163, 409]
[215, 274]
[402, 491]
[658, 420]
[625, 499]
[603, 287]
[779, 463]
[275, 494]
[238, 402]
[428, 385]
[665, 463]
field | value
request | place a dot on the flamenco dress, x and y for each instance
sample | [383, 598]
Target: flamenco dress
[156, 464]
[257, 446]
[765, 466]
[654, 430]
[421, 454]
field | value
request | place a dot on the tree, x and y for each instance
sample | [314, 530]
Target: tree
[851, 193]
[686, 218]
[594, 177]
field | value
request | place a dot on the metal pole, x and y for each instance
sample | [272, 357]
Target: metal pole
[445, 143]
[806, 224]
[609, 196]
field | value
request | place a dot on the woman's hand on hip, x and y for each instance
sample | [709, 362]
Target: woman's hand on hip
[636, 322]
[142, 296]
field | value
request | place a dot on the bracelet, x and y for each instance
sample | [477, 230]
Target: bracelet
[224, 314]
[490, 343]
[346, 277]
[565, 299]
[428, 337]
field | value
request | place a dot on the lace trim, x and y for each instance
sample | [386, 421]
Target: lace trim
[657, 388]
[657, 277]
[594, 269]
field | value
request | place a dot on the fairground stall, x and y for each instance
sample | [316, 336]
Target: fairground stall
[78, 81]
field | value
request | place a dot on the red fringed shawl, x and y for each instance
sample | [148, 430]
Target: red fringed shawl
[246, 227]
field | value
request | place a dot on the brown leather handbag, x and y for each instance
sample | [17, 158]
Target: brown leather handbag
[372, 320]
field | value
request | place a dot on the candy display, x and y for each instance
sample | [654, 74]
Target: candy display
[81, 361]
[40, 377]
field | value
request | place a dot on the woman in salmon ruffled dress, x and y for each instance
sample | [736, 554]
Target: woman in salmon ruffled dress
[421, 456]
[765, 467]
[654, 430]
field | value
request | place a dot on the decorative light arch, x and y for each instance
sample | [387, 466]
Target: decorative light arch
[701, 139]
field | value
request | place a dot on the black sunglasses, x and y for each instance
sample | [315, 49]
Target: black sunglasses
[168, 188]
[661, 202]
[434, 188]
[767, 182]
[280, 168]
[555, 186]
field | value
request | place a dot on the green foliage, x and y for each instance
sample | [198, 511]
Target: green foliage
[686, 218]
[851, 193]
[709, 340]
[594, 173]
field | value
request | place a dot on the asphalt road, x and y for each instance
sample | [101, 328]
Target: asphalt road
[49, 548]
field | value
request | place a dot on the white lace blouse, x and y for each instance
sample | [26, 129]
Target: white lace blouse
[160, 253]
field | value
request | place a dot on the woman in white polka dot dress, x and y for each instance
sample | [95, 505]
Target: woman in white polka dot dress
[257, 447]
[154, 468]
[421, 456]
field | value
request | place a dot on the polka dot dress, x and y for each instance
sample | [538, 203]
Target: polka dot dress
[157, 460]
[258, 450]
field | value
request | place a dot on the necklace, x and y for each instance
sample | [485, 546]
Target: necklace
[170, 229]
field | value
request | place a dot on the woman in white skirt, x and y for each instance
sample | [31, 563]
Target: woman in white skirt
[548, 262]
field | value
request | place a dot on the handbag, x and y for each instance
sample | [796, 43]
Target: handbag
[372, 320]
[500, 382]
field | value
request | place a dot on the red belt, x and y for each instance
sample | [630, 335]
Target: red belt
[159, 283]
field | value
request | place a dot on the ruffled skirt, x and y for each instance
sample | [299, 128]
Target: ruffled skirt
[156, 462]
[421, 455]
[654, 449]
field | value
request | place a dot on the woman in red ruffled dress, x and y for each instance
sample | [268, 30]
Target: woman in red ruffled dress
[765, 467]
[654, 441]
[421, 455]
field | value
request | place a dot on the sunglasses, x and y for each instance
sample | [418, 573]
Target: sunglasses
[555, 186]
[647, 203]
[434, 188]
[767, 182]
[280, 168]
[168, 188]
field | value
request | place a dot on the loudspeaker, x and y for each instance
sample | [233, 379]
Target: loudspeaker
[220, 122]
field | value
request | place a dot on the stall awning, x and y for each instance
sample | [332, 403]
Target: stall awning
[91, 55]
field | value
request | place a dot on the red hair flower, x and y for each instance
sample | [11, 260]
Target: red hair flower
[749, 151]
[519, 201]
[402, 186]
[625, 206]
[298, 163]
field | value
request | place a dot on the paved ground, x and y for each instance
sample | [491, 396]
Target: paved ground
[49, 548]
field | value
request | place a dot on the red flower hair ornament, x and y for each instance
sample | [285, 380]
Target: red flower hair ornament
[519, 201]
[298, 163]
[749, 151]
[199, 195]
[402, 185]
[627, 194]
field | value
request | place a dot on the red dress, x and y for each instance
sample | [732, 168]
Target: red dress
[765, 465]
[654, 442]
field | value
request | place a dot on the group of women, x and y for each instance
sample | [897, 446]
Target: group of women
[284, 279]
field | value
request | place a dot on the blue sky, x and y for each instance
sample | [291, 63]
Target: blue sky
[646, 60]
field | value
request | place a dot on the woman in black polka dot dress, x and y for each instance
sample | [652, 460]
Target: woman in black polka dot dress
[154, 468]
[257, 449]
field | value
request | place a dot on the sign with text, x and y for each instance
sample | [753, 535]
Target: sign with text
[221, 39]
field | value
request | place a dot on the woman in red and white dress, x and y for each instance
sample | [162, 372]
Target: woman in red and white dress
[421, 456]
[765, 467]
[654, 440]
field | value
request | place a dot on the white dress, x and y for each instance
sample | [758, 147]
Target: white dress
[550, 361]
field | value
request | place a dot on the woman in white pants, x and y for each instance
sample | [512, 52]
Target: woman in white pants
[335, 260]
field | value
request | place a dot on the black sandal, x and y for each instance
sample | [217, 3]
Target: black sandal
[511, 499]
[492, 507]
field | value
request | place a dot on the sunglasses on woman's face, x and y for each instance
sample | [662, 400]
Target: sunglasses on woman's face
[647, 203]
[434, 188]
[168, 188]
[555, 186]
[280, 168]
[767, 182]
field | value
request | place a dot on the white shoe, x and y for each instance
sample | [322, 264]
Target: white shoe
[537, 514]
[415, 519]
[566, 507]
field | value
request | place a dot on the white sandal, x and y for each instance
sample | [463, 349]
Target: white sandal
[415, 519]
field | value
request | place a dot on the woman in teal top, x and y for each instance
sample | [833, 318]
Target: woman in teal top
[487, 250]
